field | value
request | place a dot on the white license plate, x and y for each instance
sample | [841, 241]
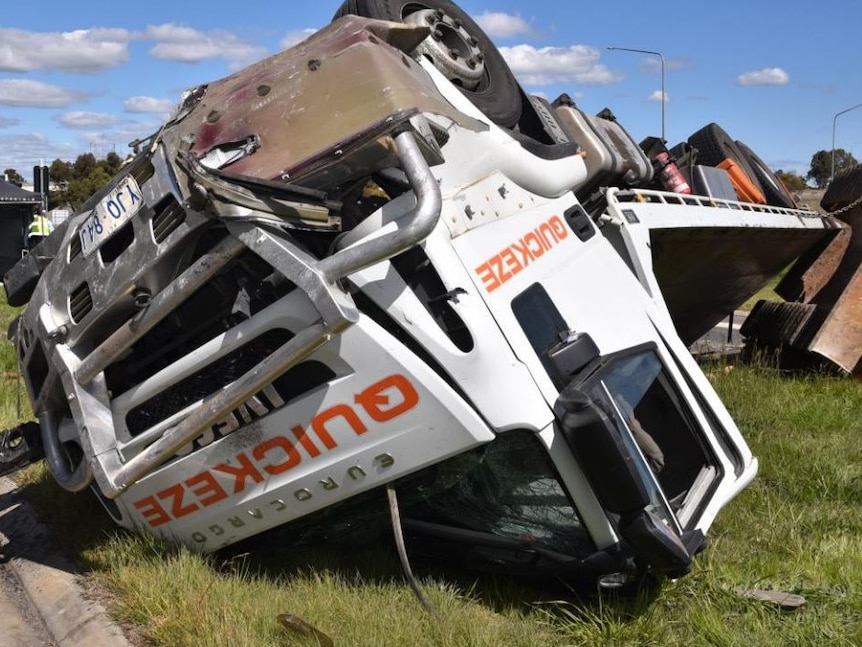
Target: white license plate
[112, 212]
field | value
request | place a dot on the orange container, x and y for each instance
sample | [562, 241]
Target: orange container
[745, 188]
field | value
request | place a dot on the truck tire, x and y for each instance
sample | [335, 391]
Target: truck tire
[844, 189]
[714, 146]
[774, 190]
[458, 48]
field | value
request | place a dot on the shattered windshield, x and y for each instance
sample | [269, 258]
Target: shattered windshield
[512, 490]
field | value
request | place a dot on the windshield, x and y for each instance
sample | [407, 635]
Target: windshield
[512, 490]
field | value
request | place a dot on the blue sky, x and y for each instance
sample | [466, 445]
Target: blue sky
[90, 77]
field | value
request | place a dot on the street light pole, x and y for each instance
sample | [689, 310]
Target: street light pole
[663, 95]
[834, 119]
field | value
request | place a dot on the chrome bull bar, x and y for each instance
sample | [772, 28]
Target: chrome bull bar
[84, 382]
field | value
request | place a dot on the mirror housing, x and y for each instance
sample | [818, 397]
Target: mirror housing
[618, 484]
[601, 453]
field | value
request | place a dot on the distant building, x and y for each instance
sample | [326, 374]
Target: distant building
[16, 210]
[59, 215]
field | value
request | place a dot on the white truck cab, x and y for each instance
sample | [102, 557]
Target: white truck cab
[283, 306]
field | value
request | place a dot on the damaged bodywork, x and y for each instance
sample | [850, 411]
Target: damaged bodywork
[331, 273]
[820, 322]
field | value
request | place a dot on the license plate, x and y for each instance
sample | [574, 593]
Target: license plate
[112, 212]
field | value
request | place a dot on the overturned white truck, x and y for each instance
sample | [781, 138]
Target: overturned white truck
[333, 273]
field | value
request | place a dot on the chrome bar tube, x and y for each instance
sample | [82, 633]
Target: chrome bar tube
[417, 225]
[160, 307]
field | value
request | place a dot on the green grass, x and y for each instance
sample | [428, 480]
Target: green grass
[767, 292]
[797, 528]
[14, 404]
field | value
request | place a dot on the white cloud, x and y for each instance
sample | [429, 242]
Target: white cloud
[148, 105]
[187, 45]
[117, 140]
[110, 34]
[87, 119]
[549, 65]
[502, 25]
[23, 151]
[766, 76]
[35, 94]
[97, 49]
[657, 97]
[186, 52]
[135, 130]
[83, 50]
[170, 32]
[294, 37]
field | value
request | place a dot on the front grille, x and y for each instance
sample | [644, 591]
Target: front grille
[219, 374]
[117, 243]
[80, 303]
[169, 215]
[74, 248]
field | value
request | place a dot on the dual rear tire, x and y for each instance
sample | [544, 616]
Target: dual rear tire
[714, 146]
[458, 47]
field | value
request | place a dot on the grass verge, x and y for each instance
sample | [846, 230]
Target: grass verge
[797, 528]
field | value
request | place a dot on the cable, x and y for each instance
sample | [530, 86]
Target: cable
[402, 551]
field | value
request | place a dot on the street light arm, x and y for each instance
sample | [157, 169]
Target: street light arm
[858, 105]
[663, 95]
[834, 121]
[640, 51]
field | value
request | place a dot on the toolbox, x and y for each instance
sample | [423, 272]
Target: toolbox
[713, 182]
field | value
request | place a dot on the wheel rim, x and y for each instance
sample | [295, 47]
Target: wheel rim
[453, 50]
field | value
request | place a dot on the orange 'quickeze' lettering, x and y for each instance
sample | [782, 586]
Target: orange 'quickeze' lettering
[381, 402]
[511, 260]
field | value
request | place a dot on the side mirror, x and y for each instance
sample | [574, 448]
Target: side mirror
[574, 351]
[619, 484]
[656, 544]
[601, 452]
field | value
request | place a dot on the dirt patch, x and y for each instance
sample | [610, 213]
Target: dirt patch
[810, 199]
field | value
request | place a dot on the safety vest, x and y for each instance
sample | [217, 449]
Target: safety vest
[40, 226]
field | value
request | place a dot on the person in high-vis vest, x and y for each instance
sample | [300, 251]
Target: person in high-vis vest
[39, 229]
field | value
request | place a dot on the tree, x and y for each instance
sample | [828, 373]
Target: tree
[84, 165]
[73, 183]
[60, 171]
[821, 165]
[13, 176]
[80, 189]
[793, 181]
[111, 163]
